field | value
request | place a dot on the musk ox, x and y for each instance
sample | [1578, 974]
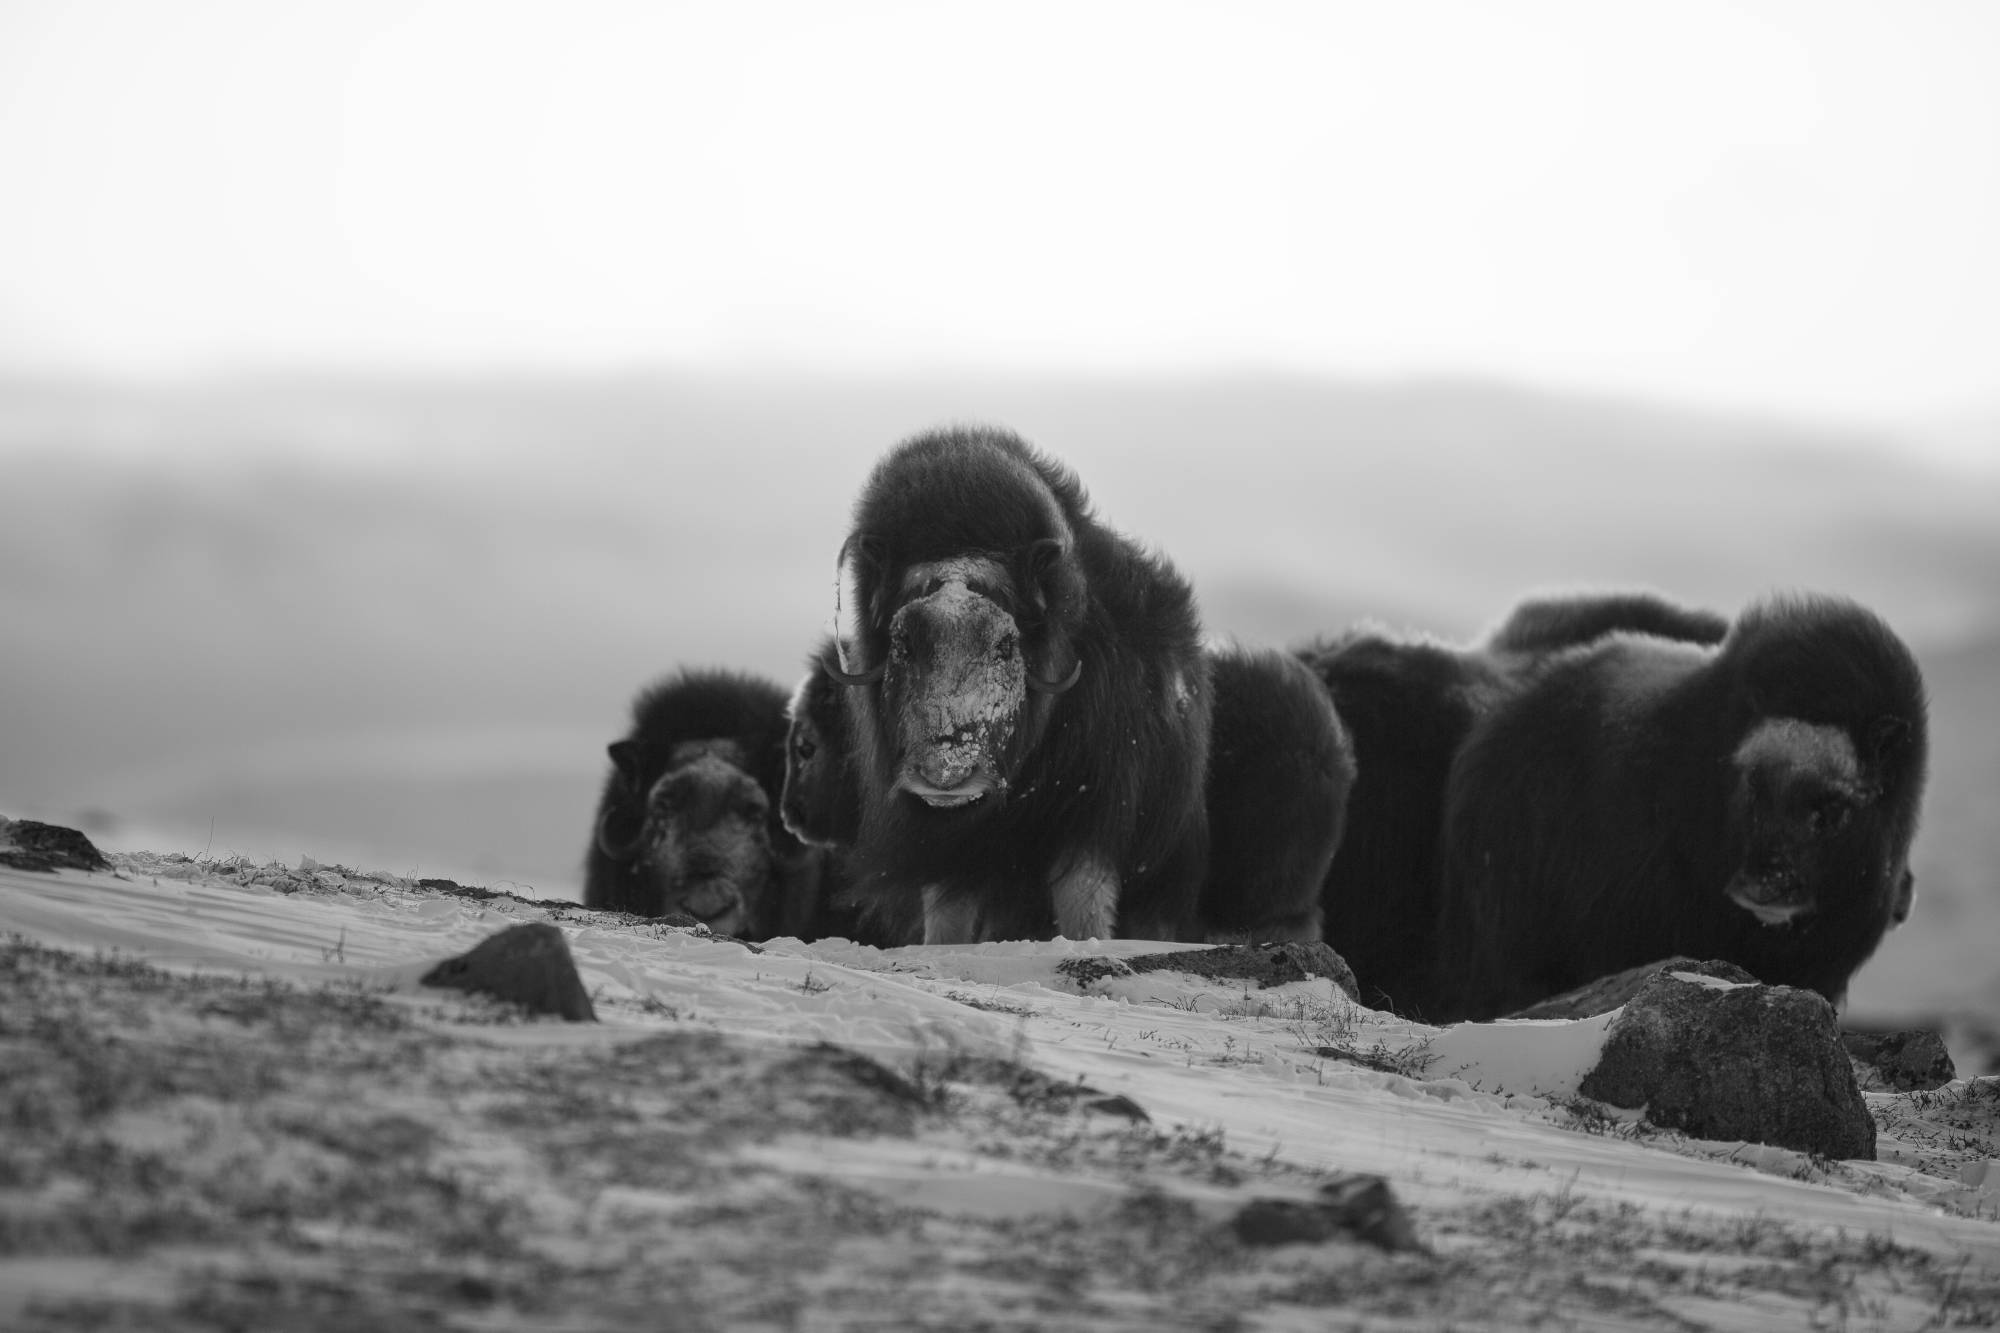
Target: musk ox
[821, 807]
[1408, 702]
[1637, 797]
[688, 819]
[1279, 768]
[1030, 701]
[821, 801]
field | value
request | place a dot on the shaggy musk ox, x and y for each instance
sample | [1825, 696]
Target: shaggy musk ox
[688, 819]
[1409, 702]
[1636, 798]
[1030, 702]
[821, 801]
[1279, 768]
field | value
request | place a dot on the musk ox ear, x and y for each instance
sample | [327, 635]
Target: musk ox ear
[1050, 580]
[629, 757]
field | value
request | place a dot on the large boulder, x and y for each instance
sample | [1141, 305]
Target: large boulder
[1724, 1061]
[528, 964]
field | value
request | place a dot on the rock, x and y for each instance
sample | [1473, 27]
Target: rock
[1722, 1061]
[528, 964]
[1266, 964]
[1361, 1206]
[1910, 1061]
[1607, 993]
[27, 844]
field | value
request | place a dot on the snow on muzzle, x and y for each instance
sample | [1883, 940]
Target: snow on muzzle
[956, 683]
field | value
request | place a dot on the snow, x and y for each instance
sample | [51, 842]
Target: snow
[1476, 1112]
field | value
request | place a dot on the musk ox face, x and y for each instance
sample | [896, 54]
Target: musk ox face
[700, 836]
[820, 800]
[963, 648]
[1808, 813]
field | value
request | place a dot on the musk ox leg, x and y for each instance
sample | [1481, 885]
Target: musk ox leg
[949, 919]
[1086, 900]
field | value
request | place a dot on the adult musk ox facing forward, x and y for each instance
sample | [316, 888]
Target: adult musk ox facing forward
[1279, 768]
[688, 819]
[1030, 701]
[1636, 798]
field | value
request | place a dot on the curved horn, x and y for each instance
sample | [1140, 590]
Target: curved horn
[614, 848]
[851, 679]
[1041, 686]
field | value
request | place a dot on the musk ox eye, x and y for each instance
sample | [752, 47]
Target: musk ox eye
[804, 747]
[1830, 816]
[1008, 644]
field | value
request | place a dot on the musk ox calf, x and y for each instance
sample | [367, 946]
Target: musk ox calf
[1279, 768]
[1409, 702]
[688, 820]
[821, 799]
[1638, 797]
[1030, 702]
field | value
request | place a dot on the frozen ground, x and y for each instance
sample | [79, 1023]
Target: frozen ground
[273, 1126]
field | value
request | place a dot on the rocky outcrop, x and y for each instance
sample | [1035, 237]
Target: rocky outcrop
[1607, 993]
[1265, 964]
[1361, 1207]
[1721, 1061]
[529, 965]
[27, 844]
[1911, 1061]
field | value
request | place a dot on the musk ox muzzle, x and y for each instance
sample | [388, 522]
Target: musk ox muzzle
[957, 683]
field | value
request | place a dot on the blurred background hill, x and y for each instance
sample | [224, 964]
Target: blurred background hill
[397, 622]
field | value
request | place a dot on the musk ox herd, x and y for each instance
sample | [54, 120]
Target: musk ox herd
[1016, 731]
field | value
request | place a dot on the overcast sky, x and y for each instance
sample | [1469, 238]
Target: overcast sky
[1775, 206]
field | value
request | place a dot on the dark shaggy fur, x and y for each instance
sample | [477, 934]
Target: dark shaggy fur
[1280, 765]
[1409, 702]
[1638, 798]
[822, 794]
[678, 813]
[1032, 709]
[1547, 624]
[1279, 769]
[822, 808]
